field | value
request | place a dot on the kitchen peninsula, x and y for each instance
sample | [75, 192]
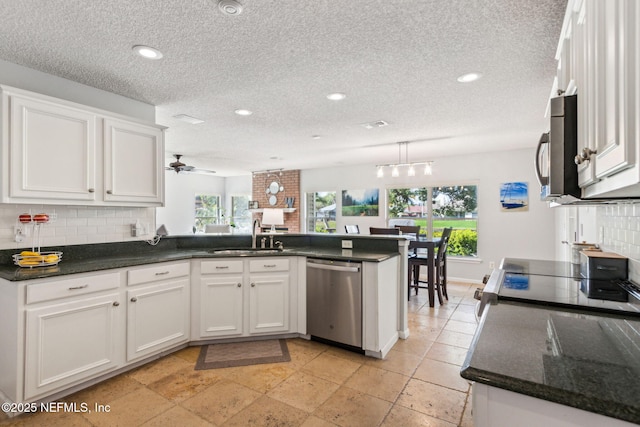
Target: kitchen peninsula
[107, 308]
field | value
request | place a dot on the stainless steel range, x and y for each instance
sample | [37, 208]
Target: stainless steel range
[558, 284]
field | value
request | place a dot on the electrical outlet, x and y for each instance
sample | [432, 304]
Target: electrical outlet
[21, 229]
[492, 264]
[347, 244]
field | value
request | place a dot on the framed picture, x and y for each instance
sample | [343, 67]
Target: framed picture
[253, 204]
[514, 196]
[360, 202]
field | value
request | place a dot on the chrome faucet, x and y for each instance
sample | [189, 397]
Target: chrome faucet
[253, 232]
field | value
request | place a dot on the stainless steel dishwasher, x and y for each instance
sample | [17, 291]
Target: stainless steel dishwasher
[334, 301]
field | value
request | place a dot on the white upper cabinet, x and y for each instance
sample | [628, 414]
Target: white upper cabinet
[133, 155]
[59, 152]
[52, 151]
[598, 53]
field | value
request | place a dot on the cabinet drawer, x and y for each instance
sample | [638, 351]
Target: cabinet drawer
[71, 287]
[157, 272]
[221, 266]
[269, 264]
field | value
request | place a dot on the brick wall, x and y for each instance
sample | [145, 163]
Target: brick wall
[290, 180]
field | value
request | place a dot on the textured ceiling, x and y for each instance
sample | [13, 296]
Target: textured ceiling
[396, 60]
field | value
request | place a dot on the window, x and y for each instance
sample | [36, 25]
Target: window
[321, 212]
[207, 211]
[436, 208]
[240, 214]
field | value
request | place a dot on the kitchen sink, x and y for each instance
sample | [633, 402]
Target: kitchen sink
[244, 251]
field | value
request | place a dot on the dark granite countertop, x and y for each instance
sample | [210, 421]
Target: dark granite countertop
[96, 257]
[582, 359]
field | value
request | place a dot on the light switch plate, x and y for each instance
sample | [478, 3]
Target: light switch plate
[347, 244]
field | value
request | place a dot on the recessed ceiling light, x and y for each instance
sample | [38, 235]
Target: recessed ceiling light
[147, 52]
[242, 112]
[469, 77]
[316, 136]
[230, 7]
[336, 96]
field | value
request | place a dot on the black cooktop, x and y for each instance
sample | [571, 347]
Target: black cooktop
[540, 267]
[600, 295]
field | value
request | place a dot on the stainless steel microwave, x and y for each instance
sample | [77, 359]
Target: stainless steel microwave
[555, 166]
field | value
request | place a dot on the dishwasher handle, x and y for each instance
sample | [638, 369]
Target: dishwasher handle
[333, 267]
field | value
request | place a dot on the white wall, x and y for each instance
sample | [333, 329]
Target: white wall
[178, 214]
[528, 234]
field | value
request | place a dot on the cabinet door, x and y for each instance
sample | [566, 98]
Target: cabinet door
[52, 151]
[616, 147]
[221, 306]
[269, 303]
[157, 317]
[71, 342]
[584, 34]
[134, 174]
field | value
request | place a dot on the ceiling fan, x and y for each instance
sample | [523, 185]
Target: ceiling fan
[179, 167]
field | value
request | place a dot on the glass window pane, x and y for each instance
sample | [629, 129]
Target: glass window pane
[240, 215]
[321, 212]
[457, 207]
[433, 209]
[207, 209]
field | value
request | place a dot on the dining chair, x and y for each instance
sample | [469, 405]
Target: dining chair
[387, 231]
[352, 229]
[440, 261]
[411, 230]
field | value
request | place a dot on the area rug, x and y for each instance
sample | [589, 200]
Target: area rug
[242, 354]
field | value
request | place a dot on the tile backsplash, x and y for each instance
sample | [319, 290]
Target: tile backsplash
[74, 225]
[619, 228]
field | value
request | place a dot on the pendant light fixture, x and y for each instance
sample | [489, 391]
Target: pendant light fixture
[411, 166]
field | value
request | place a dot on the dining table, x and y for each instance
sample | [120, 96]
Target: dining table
[417, 247]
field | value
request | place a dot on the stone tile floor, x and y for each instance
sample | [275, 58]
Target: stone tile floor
[418, 384]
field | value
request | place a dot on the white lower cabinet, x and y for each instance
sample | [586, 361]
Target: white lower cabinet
[157, 310]
[244, 297]
[496, 407]
[269, 303]
[66, 331]
[157, 318]
[71, 339]
[221, 309]
[268, 296]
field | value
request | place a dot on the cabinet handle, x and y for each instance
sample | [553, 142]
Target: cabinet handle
[239, 285]
[584, 155]
[269, 265]
[253, 285]
[116, 303]
[162, 273]
[73, 288]
[92, 190]
[109, 192]
[221, 267]
[134, 299]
